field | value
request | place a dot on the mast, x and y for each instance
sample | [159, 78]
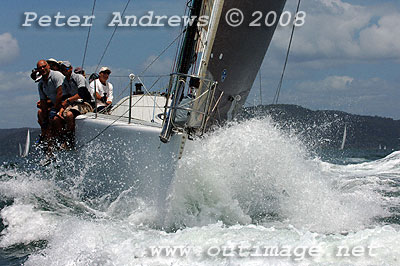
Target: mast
[230, 58]
[233, 58]
[185, 61]
[186, 56]
[195, 120]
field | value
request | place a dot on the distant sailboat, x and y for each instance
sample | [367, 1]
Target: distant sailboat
[344, 137]
[27, 144]
[382, 148]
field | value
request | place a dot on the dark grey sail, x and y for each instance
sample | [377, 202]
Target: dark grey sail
[237, 55]
[224, 60]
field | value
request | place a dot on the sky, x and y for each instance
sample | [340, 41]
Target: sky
[345, 57]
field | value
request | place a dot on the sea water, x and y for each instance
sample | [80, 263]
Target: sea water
[247, 194]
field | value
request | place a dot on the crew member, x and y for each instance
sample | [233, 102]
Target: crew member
[50, 88]
[103, 89]
[76, 100]
[80, 70]
[54, 64]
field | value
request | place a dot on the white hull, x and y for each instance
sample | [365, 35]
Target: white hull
[126, 157]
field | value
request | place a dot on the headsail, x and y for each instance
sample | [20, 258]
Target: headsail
[236, 57]
[224, 64]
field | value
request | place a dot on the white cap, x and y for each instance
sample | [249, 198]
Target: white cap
[52, 60]
[66, 64]
[105, 69]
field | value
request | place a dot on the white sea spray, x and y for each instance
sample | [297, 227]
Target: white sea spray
[249, 184]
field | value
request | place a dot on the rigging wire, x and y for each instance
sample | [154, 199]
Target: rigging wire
[152, 62]
[143, 76]
[112, 36]
[158, 57]
[88, 34]
[116, 120]
[179, 45]
[278, 89]
[108, 126]
[105, 50]
[259, 74]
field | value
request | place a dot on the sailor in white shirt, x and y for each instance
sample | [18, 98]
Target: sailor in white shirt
[103, 88]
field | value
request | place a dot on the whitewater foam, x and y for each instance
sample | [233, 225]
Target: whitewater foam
[252, 170]
[249, 183]
[111, 243]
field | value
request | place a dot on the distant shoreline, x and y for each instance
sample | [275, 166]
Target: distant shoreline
[324, 128]
[320, 128]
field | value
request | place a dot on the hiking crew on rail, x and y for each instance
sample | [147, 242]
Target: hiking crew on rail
[64, 95]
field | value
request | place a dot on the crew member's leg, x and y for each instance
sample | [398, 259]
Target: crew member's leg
[44, 124]
[69, 121]
[56, 128]
[69, 129]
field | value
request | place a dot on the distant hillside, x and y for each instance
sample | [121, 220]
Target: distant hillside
[316, 128]
[10, 138]
[325, 128]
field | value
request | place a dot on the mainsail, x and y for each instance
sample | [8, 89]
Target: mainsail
[224, 62]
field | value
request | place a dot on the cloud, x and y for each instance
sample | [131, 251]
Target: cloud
[331, 83]
[159, 67]
[18, 100]
[383, 39]
[11, 81]
[332, 86]
[371, 96]
[9, 48]
[336, 30]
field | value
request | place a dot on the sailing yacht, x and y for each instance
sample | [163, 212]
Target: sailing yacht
[25, 152]
[344, 137]
[140, 141]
